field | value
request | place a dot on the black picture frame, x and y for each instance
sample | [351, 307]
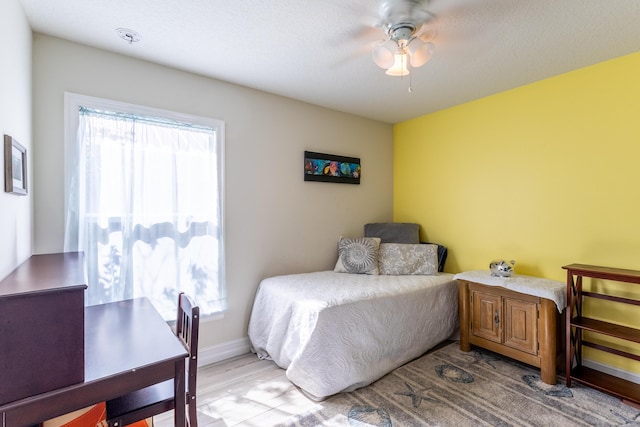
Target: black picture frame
[15, 167]
[324, 167]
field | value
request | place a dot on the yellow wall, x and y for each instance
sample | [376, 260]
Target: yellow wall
[546, 174]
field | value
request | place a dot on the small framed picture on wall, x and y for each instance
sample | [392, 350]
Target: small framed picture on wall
[15, 167]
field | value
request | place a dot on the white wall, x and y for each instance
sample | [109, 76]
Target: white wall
[16, 242]
[275, 222]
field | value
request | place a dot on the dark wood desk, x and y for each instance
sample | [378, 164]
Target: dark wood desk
[127, 346]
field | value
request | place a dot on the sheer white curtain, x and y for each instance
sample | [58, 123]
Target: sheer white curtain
[144, 204]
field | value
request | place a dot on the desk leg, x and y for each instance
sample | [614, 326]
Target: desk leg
[179, 395]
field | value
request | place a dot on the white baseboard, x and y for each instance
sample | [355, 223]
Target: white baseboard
[616, 372]
[219, 352]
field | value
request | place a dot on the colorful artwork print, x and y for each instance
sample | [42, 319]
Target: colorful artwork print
[331, 168]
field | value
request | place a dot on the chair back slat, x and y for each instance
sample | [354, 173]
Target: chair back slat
[187, 330]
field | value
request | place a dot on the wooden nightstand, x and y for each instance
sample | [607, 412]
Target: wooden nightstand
[514, 316]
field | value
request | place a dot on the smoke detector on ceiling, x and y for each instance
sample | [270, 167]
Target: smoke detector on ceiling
[128, 35]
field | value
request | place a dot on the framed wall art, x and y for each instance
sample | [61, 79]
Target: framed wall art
[331, 168]
[15, 167]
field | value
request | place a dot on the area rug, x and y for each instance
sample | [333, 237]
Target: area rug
[448, 387]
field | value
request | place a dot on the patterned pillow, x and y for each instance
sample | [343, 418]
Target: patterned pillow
[358, 255]
[405, 259]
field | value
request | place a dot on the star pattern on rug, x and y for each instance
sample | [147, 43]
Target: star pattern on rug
[416, 396]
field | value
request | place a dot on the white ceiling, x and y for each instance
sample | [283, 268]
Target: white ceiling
[318, 50]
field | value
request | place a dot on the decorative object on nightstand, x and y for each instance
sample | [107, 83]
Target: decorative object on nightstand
[515, 316]
[502, 268]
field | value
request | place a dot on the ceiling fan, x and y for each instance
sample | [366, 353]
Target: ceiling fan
[404, 23]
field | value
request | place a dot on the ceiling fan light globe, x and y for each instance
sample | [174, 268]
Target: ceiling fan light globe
[399, 67]
[383, 54]
[420, 52]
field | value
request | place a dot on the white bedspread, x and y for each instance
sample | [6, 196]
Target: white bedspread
[336, 332]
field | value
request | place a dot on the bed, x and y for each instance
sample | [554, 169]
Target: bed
[336, 331]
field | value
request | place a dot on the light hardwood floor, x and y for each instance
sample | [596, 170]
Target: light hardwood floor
[244, 391]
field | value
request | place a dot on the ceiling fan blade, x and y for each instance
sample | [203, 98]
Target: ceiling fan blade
[366, 34]
[363, 50]
[427, 32]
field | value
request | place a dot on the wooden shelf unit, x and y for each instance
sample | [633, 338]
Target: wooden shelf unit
[576, 323]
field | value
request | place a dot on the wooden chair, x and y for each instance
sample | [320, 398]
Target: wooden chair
[158, 398]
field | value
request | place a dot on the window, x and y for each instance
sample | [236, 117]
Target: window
[144, 203]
